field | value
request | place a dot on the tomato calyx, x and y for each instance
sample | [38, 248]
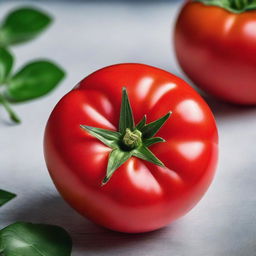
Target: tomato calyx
[235, 6]
[130, 140]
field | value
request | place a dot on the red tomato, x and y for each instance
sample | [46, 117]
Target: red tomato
[216, 48]
[140, 196]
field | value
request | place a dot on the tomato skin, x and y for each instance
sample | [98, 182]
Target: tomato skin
[140, 196]
[217, 50]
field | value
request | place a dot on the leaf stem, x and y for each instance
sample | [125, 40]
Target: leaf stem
[13, 116]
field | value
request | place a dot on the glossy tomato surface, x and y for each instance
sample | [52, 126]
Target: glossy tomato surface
[140, 196]
[216, 48]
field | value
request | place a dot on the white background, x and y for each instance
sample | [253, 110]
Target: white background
[87, 36]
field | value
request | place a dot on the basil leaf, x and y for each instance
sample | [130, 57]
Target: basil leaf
[27, 239]
[22, 25]
[6, 62]
[34, 80]
[5, 197]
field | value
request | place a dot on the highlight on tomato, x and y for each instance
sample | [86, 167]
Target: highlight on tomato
[131, 147]
[215, 42]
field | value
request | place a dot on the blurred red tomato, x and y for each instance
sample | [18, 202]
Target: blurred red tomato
[216, 48]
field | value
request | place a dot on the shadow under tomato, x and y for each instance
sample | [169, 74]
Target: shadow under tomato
[87, 237]
[221, 108]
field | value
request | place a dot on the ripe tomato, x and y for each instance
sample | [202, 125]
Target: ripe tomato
[140, 196]
[216, 48]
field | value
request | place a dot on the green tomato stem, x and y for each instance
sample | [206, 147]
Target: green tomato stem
[239, 4]
[132, 139]
[235, 6]
[13, 116]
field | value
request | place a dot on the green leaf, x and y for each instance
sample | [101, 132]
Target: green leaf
[142, 123]
[145, 154]
[6, 63]
[126, 116]
[116, 158]
[22, 25]
[34, 80]
[151, 129]
[151, 141]
[27, 239]
[5, 197]
[109, 138]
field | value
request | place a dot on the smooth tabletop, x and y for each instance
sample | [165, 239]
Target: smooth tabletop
[88, 35]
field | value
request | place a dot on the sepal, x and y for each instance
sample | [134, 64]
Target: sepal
[109, 138]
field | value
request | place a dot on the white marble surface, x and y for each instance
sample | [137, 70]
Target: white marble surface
[87, 36]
